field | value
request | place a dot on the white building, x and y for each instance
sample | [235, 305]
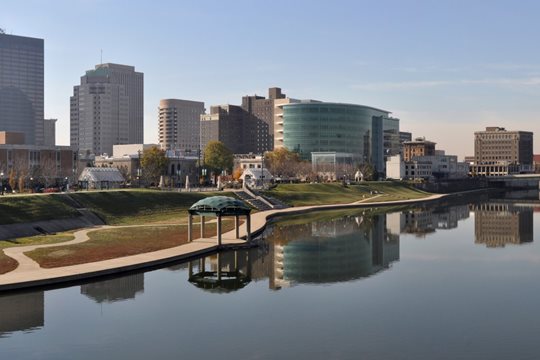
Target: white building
[107, 109]
[256, 177]
[101, 178]
[179, 124]
[425, 167]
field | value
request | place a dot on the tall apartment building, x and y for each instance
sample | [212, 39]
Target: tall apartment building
[107, 108]
[49, 132]
[418, 147]
[179, 124]
[21, 86]
[260, 120]
[501, 152]
[225, 123]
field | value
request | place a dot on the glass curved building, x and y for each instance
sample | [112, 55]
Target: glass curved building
[343, 128]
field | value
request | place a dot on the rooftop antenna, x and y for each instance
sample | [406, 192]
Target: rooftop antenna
[101, 58]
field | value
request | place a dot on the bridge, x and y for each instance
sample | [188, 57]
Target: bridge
[518, 181]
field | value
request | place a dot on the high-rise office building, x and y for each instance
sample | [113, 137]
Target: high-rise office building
[260, 120]
[107, 108]
[501, 152]
[225, 123]
[179, 124]
[21, 86]
[49, 132]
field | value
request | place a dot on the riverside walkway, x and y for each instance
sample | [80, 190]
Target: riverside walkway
[30, 274]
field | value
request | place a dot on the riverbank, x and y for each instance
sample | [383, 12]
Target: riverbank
[30, 274]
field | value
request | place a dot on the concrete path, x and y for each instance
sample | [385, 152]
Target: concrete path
[29, 273]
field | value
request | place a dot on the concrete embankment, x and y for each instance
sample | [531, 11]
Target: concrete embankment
[31, 275]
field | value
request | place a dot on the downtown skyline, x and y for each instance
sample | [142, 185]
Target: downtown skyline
[446, 69]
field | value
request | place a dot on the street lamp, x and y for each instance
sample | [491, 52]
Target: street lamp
[2, 181]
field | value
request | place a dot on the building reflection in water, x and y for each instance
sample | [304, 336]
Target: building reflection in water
[113, 290]
[421, 222]
[22, 312]
[498, 224]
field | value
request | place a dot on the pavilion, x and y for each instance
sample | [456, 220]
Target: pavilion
[219, 206]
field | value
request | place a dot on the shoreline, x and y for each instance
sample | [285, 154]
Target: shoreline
[29, 277]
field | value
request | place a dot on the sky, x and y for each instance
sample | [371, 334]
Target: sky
[444, 68]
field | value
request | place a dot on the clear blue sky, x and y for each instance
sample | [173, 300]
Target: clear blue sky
[445, 68]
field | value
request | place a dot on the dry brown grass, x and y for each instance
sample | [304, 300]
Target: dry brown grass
[114, 243]
[7, 264]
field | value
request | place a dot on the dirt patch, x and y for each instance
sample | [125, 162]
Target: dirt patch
[114, 243]
[7, 264]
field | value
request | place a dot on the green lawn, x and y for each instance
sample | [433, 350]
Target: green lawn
[134, 207]
[321, 194]
[20, 209]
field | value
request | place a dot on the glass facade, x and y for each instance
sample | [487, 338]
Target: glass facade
[21, 86]
[343, 128]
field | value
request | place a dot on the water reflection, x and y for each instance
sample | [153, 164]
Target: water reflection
[224, 274]
[21, 312]
[331, 250]
[498, 224]
[423, 221]
[113, 290]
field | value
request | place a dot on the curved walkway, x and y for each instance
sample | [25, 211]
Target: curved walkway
[29, 273]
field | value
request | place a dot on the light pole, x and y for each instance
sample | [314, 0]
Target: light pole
[2, 181]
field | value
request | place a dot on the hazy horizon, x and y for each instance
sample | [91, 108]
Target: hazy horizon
[446, 69]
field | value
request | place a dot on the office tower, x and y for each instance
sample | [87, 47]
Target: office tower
[49, 132]
[348, 131]
[107, 109]
[260, 120]
[225, 123]
[179, 124]
[21, 87]
[501, 152]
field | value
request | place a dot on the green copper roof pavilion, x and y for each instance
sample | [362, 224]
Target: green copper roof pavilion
[219, 205]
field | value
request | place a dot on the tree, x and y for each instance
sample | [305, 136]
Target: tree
[154, 163]
[368, 171]
[217, 157]
[283, 163]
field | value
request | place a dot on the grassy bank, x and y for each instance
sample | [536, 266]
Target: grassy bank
[135, 207]
[21, 209]
[122, 207]
[322, 194]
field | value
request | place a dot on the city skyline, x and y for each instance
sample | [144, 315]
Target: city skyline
[445, 69]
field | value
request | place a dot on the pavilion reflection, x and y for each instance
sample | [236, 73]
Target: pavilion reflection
[22, 312]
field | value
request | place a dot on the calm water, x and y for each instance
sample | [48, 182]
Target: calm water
[453, 281]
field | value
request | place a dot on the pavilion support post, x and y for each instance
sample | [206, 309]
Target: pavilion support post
[219, 230]
[202, 226]
[248, 227]
[190, 269]
[219, 266]
[190, 228]
[237, 226]
[201, 265]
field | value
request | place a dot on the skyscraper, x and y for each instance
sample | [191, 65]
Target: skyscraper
[179, 124]
[107, 108]
[21, 86]
[49, 132]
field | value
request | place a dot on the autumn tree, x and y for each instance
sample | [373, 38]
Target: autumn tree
[217, 157]
[154, 163]
[283, 162]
